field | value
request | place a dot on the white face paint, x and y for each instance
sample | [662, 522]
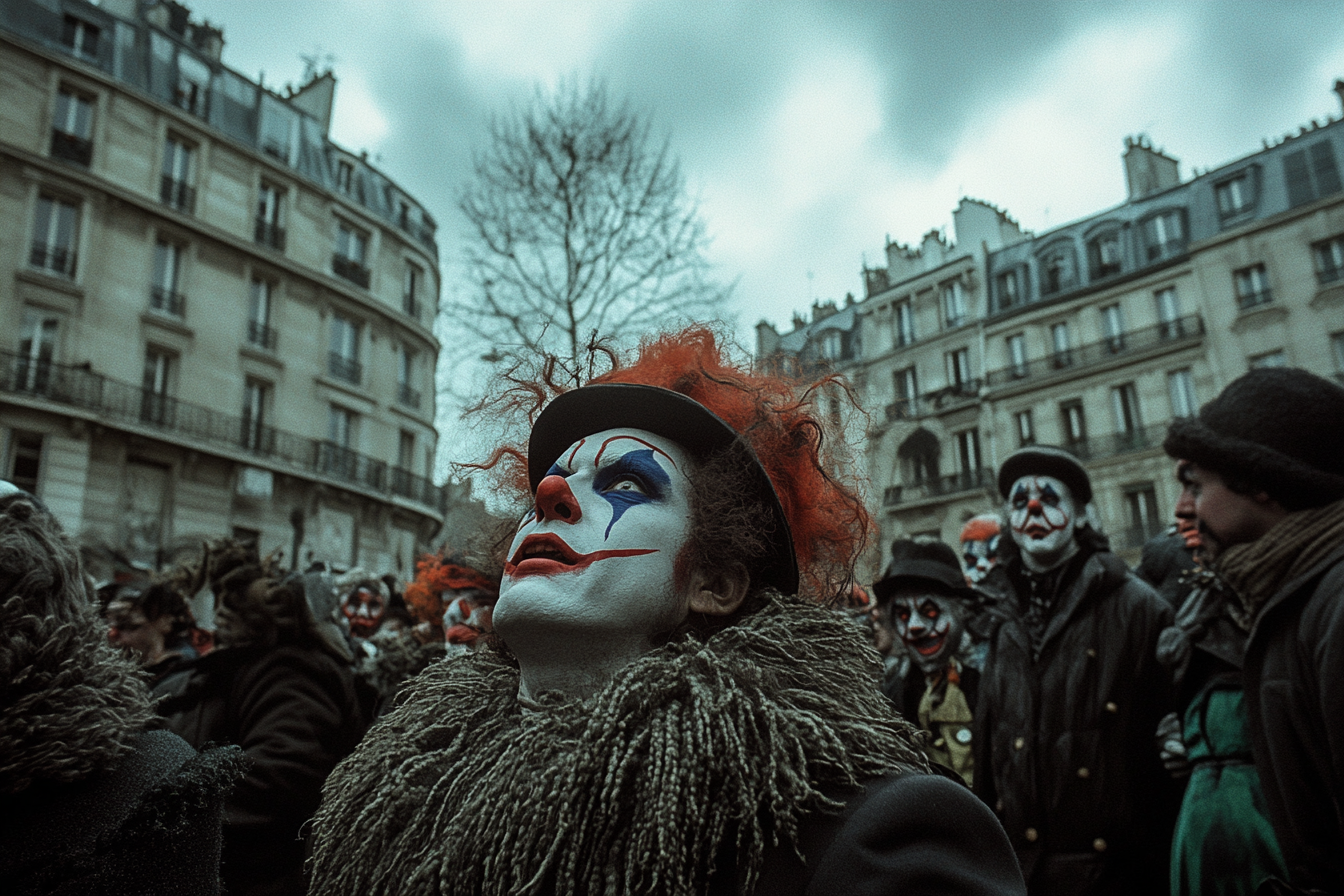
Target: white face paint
[1042, 515]
[597, 554]
[928, 625]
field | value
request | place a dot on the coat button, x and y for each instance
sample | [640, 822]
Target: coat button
[998, 805]
[940, 743]
[1032, 835]
[1084, 773]
[1019, 743]
[1091, 653]
[1111, 707]
[1099, 845]
[964, 736]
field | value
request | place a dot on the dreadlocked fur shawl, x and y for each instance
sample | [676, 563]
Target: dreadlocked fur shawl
[703, 749]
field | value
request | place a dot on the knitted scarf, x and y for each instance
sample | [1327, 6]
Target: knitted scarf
[704, 749]
[1256, 570]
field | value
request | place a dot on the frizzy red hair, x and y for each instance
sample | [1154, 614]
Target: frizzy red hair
[777, 416]
[434, 575]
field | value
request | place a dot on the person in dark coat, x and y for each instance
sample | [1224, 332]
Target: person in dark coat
[925, 600]
[1266, 467]
[279, 689]
[1072, 694]
[669, 714]
[91, 800]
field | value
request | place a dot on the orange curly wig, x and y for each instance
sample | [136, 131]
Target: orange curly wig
[434, 574]
[777, 416]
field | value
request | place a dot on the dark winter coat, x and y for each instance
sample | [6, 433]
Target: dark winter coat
[1294, 674]
[1066, 736]
[1164, 560]
[294, 712]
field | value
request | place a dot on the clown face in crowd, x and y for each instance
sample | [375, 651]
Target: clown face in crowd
[363, 604]
[1043, 515]
[980, 547]
[928, 625]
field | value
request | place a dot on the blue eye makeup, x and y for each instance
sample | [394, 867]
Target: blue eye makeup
[638, 467]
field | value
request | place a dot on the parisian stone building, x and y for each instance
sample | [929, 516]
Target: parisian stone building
[1092, 336]
[213, 320]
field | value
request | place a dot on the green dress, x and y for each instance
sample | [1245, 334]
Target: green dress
[1224, 843]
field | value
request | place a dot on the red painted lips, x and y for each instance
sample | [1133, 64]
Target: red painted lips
[546, 554]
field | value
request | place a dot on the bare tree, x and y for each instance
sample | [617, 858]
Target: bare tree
[579, 224]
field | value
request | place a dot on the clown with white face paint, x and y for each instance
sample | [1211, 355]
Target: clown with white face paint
[670, 691]
[1071, 698]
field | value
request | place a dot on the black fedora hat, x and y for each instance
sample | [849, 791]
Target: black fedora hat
[601, 406]
[927, 563]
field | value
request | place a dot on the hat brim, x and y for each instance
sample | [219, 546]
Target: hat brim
[602, 406]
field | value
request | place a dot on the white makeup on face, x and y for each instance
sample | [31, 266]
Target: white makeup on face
[1042, 515]
[590, 578]
[979, 557]
[928, 626]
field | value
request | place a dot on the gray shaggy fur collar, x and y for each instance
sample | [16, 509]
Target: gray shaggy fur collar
[70, 705]
[703, 750]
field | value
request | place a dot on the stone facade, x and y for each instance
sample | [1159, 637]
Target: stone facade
[1094, 335]
[216, 321]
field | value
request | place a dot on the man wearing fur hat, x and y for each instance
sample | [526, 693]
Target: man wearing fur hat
[1072, 694]
[667, 713]
[1265, 464]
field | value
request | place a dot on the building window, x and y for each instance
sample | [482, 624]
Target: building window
[1234, 196]
[37, 351]
[1275, 358]
[72, 127]
[828, 346]
[256, 435]
[905, 323]
[1057, 270]
[1252, 286]
[1007, 289]
[1103, 255]
[1113, 327]
[1329, 256]
[1164, 234]
[958, 366]
[352, 249]
[1026, 429]
[954, 304]
[1181, 389]
[55, 236]
[1168, 313]
[968, 456]
[155, 404]
[343, 360]
[1125, 404]
[410, 290]
[24, 469]
[1310, 173]
[270, 228]
[407, 362]
[259, 330]
[345, 175]
[1017, 354]
[1144, 522]
[175, 188]
[907, 394]
[1075, 425]
[193, 84]
[81, 37]
[1059, 343]
[338, 458]
[164, 294]
[406, 450]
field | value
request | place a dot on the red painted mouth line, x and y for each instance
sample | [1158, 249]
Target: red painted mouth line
[547, 555]
[1036, 530]
[927, 646]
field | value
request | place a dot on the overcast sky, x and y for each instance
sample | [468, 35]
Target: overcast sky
[813, 131]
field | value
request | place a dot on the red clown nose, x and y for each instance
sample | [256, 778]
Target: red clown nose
[556, 502]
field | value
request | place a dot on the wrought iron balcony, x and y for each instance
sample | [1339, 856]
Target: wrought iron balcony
[69, 148]
[343, 368]
[53, 259]
[177, 194]
[408, 396]
[1247, 301]
[269, 234]
[350, 269]
[117, 403]
[941, 486]
[411, 306]
[262, 336]
[1079, 359]
[168, 301]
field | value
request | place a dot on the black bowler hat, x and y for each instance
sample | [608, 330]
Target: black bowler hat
[602, 406]
[926, 563]
[1046, 460]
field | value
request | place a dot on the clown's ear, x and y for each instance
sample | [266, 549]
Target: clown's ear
[719, 592]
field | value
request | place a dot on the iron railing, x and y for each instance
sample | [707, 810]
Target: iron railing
[169, 301]
[259, 334]
[408, 396]
[343, 368]
[1249, 300]
[121, 403]
[69, 148]
[269, 234]
[349, 269]
[177, 194]
[966, 481]
[1167, 332]
[53, 259]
